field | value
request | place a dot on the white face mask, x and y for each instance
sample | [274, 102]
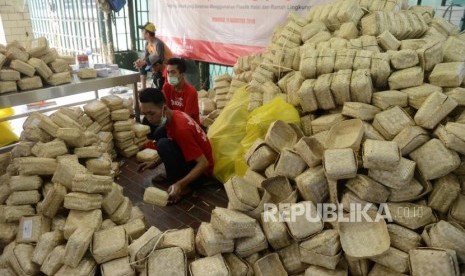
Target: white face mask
[173, 81]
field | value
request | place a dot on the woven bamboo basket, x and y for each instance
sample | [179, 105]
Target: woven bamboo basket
[418, 94]
[91, 219]
[449, 236]
[50, 149]
[340, 86]
[155, 196]
[112, 200]
[406, 78]
[53, 200]
[254, 178]
[444, 161]
[109, 244]
[101, 165]
[249, 245]
[278, 187]
[31, 228]
[357, 266]
[237, 265]
[340, 163]
[143, 246]
[345, 134]
[403, 238]
[20, 260]
[390, 98]
[123, 213]
[77, 245]
[290, 258]
[91, 184]
[364, 239]
[369, 132]
[324, 249]
[312, 185]
[53, 261]
[379, 269]
[214, 265]
[169, 261]
[8, 232]
[256, 213]
[242, 196]
[289, 164]
[47, 242]
[397, 178]
[322, 92]
[367, 189]
[210, 242]
[82, 201]
[416, 189]
[448, 74]
[324, 123]
[309, 150]
[445, 191]
[25, 183]
[391, 121]
[306, 96]
[117, 267]
[183, 238]
[349, 198]
[147, 155]
[135, 228]
[280, 135]
[412, 216]
[232, 224]
[394, 259]
[361, 111]
[410, 138]
[305, 225]
[275, 230]
[14, 213]
[435, 108]
[452, 135]
[260, 156]
[380, 155]
[88, 152]
[23, 198]
[108, 223]
[433, 261]
[269, 265]
[86, 267]
[457, 213]
[66, 170]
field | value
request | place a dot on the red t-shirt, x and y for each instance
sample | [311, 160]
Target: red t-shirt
[190, 137]
[185, 100]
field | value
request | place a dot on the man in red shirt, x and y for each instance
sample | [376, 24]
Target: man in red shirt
[179, 94]
[186, 151]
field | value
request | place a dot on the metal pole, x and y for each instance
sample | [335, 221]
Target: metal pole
[111, 50]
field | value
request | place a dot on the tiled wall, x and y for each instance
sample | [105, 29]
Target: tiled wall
[15, 21]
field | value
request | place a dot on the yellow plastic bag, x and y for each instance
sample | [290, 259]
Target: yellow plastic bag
[226, 133]
[7, 136]
[258, 122]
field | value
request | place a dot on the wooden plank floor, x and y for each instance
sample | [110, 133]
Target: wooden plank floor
[190, 211]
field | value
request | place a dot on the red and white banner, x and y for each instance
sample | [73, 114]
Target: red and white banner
[220, 31]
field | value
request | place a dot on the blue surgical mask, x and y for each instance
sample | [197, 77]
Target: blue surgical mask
[173, 80]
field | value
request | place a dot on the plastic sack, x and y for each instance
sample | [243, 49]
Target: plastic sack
[258, 122]
[226, 134]
[7, 135]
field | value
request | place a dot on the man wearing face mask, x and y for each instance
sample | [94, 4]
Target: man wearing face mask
[186, 151]
[179, 94]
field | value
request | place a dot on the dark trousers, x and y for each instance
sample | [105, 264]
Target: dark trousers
[175, 165]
